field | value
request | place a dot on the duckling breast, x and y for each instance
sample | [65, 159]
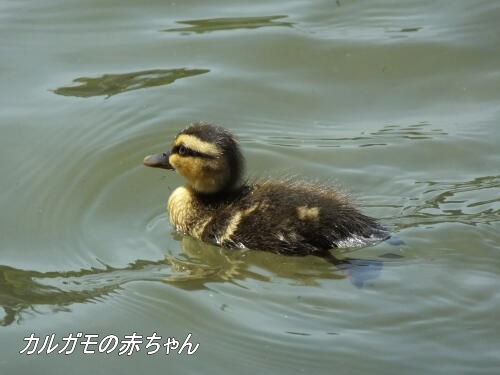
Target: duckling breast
[180, 208]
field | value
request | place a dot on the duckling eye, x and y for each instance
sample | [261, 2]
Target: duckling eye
[186, 151]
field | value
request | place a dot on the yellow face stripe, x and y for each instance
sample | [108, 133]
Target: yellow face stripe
[195, 144]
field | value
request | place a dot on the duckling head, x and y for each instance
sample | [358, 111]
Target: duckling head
[206, 155]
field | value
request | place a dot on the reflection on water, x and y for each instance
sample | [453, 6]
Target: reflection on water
[25, 291]
[31, 292]
[403, 32]
[218, 24]
[112, 84]
[410, 29]
[468, 202]
[201, 263]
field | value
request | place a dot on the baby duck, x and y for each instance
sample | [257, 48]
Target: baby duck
[218, 206]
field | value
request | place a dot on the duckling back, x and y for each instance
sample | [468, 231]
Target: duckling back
[292, 218]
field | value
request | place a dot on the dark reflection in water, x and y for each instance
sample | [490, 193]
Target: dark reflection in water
[202, 263]
[218, 24]
[403, 32]
[410, 29]
[24, 292]
[112, 84]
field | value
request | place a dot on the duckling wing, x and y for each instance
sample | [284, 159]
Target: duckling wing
[297, 220]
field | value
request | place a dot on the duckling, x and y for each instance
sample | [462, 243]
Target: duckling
[218, 206]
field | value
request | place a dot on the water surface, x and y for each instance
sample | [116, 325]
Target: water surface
[395, 104]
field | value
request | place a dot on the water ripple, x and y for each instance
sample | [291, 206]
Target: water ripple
[468, 202]
[194, 266]
[387, 135]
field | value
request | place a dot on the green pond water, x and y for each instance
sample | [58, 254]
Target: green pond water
[396, 103]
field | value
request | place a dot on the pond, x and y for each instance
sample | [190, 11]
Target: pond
[394, 104]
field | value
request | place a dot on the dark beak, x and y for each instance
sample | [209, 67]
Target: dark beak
[158, 161]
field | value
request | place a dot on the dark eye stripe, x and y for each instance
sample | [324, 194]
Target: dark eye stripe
[186, 151]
